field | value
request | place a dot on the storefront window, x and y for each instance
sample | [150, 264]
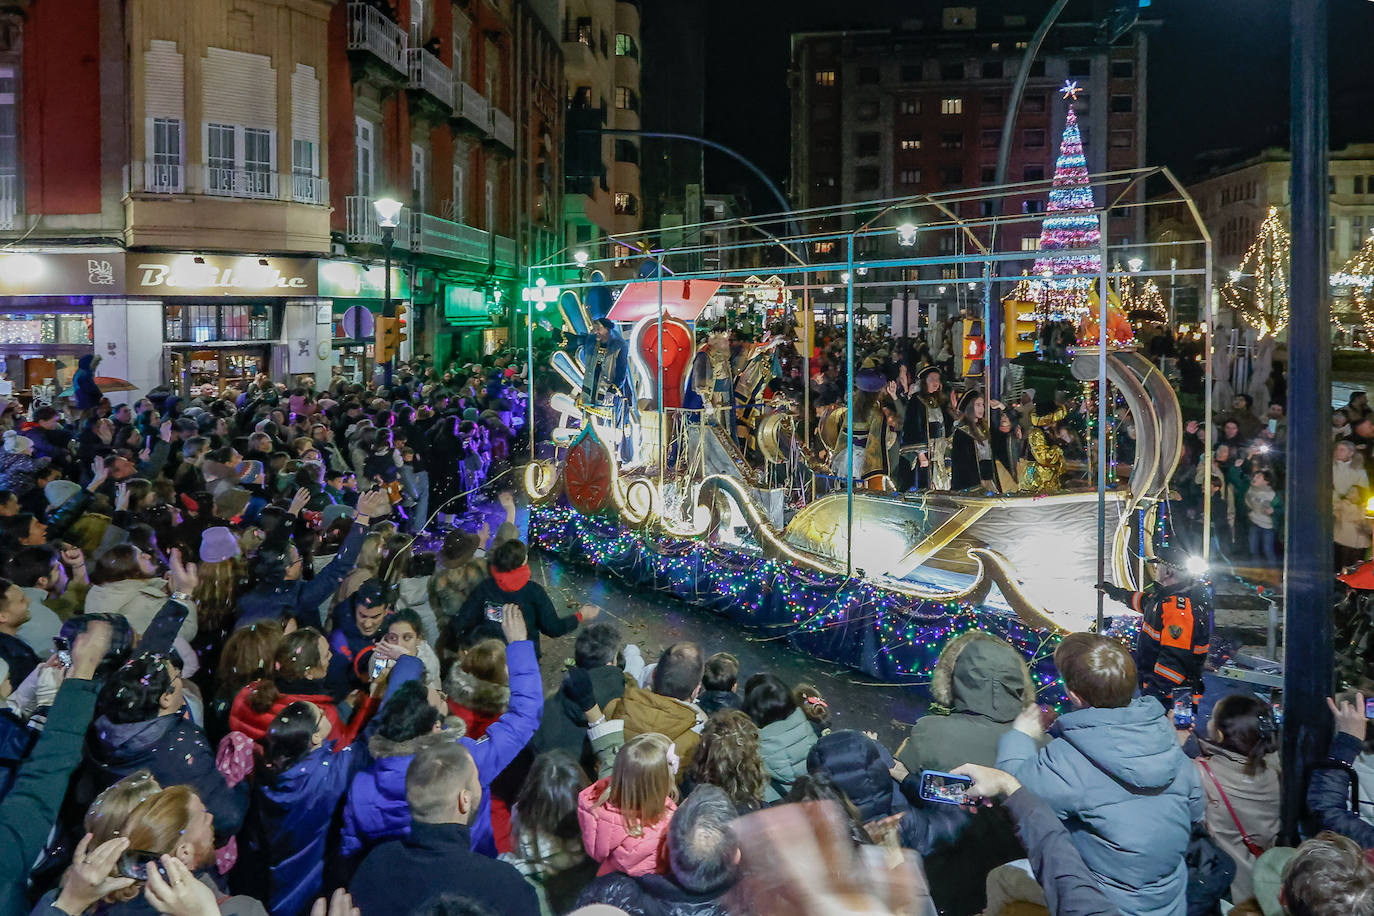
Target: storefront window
[223, 323]
[45, 329]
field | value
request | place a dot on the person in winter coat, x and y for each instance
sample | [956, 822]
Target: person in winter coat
[300, 788]
[509, 587]
[299, 670]
[358, 623]
[141, 726]
[406, 876]
[785, 734]
[1328, 792]
[1116, 775]
[281, 592]
[1240, 776]
[861, 768]
[19, 466]
[546, 838]
[702, 865]
[667, 708]
[728, 758]
[30, 809]
[125, 582]
[624, 818]
[87, 392]
[564, 726]
[984, 684]
[371, 794]
[718, 681]
[478, 687]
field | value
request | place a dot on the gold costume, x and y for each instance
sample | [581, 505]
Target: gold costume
[1044, 473]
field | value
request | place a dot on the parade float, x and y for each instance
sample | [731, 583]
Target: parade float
[688, 476]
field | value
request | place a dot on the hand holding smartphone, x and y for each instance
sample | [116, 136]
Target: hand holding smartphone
[944, 788]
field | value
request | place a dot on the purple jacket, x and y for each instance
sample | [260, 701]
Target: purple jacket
[377, 808]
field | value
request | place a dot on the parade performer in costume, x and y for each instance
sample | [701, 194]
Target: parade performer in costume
[757, 368]
[971, 461]
[1176, 632]
[606, 377]
[926, 430]
[713, 379]
[1044, 472]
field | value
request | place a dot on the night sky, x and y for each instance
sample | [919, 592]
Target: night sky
[1218, 77]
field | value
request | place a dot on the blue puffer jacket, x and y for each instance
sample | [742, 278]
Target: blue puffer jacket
[1129, 796]
[861, 767]
[301, 598]
[377, 810]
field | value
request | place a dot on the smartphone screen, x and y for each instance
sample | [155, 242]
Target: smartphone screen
[1183, 709]
[944, 788]
[1369, 708]
[62, 648]
[496, 613]
[134, 864]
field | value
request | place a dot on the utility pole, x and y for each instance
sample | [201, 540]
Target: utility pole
[1308, 561]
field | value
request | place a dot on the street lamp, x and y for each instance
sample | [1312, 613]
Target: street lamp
[906, 235]
[1135, 264]
[581, 258]
[388, 218]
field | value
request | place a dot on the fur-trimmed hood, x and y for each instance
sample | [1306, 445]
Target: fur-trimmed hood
[982, 674]
[381, 748]
[475, 694]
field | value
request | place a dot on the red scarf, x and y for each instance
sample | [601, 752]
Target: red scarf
[511, 581]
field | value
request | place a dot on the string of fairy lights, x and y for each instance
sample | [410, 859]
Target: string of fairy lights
[1258, 289]
[846, 620]
[1358, 276]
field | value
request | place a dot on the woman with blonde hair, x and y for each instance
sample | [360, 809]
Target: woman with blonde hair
[247, 656]
[107, 815]
[368, 566]
[625, 818]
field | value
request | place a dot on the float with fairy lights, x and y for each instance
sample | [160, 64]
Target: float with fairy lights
[726, 502]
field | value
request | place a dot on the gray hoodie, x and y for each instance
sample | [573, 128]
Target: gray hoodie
[1129, 796]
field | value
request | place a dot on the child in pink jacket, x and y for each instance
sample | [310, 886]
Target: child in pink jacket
[624, 818]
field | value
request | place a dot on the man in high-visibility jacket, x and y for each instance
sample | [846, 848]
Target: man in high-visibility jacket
[1176, 632]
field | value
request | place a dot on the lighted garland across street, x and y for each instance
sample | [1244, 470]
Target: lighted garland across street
[852, 622]
[1258, 290]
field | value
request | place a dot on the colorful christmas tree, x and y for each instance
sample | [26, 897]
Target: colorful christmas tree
[1069, 258]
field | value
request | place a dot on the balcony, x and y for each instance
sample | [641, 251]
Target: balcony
[370, 30]
[502, 128]
[446, 238]
[164, 177]
[505, 252]
[9, 201]
[361, 223]
[428, 74]
[470, 105]
[307, 189]
[233, 182]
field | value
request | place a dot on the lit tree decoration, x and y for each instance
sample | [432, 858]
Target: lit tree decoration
[1070, 234]
[1143, 299]
[1264, 303]
[1358, 275]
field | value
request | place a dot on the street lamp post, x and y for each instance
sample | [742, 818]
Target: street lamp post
[388, 218]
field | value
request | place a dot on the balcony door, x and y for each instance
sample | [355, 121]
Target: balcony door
[365, 143]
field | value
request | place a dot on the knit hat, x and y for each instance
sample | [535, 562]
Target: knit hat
[17, 444]
[59, 491]
[218, 545]
[1268, 878]
[470, 414]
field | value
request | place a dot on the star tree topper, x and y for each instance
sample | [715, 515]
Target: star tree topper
[1070, 89]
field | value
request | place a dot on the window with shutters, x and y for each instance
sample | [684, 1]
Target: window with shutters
[219, 159]
[168, 152]
[456, 207]
[240, 104]
[306, 184]
[952, 106]
[305, 166]
[364, 156]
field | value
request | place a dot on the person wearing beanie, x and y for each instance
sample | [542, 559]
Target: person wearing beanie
[217, 545]
[18, 465]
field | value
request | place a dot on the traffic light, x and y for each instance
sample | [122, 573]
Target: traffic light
[975, 347]
[390, 332]
[1018, 328]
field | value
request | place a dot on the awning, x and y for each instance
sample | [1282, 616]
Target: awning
[682, 299]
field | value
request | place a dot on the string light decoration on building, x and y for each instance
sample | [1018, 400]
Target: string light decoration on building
[1358, 276]
[1259, 288]
[1071, 234]
[1142, 299]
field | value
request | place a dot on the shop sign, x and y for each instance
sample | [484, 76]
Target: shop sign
[465, 306]
[351, 280]
[219, 275]
[24, 273]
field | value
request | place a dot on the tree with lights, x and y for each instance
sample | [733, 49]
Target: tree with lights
[1070, 235]
[1358, 275]
[1263, 303]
